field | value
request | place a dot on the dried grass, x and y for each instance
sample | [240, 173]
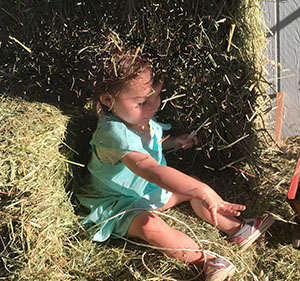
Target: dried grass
[40, 238]
[211, 52]
[33, 179]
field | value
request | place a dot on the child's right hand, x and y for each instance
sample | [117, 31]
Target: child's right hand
[215, 204]
[175, 181]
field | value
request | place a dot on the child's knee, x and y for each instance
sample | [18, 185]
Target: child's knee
[154, 227]
[147, 226]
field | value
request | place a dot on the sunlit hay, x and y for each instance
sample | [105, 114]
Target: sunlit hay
[36, 214]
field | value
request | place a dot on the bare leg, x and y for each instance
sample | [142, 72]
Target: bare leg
[155, 231]
[228, 224]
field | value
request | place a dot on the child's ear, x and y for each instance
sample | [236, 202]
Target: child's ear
[106, 99]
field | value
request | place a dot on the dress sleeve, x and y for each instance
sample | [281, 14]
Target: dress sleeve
[108, 155]
[114, 134]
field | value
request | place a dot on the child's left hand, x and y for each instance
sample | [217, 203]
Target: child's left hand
[184, 143]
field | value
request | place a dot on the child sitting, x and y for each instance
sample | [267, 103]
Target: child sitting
[129, 175]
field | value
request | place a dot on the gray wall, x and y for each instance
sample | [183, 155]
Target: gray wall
[283, 49]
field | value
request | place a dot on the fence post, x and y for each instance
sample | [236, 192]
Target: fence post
[278, 117]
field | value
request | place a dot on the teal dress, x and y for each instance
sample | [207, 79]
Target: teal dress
[114, 191]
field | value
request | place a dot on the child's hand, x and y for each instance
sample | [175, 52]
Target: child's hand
[215, 204]
[180, 142]
[185, 143]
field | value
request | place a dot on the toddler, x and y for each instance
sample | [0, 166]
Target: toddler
[129, 172]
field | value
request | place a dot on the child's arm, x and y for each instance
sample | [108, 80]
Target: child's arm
[179, 142]
[175, 181]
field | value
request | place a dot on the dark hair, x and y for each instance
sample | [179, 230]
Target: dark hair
[114, 66]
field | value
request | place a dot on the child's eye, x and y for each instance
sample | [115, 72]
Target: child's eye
[142, 103]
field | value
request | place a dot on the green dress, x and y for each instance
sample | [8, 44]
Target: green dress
[114, 190]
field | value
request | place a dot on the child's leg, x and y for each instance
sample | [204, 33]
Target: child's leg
[155, 231]
[244, 236]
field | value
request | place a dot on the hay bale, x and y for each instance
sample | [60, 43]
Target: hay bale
[36, 214]
[211, 53]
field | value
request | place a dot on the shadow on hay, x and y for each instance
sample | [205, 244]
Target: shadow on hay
[79, 132]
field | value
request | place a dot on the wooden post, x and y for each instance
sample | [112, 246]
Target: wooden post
[278, 117]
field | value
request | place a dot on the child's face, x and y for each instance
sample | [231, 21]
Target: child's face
[138, 101]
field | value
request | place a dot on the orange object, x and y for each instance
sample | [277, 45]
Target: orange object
[278, 117]
[294, 201]
[294, 183]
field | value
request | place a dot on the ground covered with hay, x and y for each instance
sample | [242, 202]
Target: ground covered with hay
[40, 237]
[212, 56]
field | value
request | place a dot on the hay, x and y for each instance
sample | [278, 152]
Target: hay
[40, 238]
[211, 53]
[33, 179]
